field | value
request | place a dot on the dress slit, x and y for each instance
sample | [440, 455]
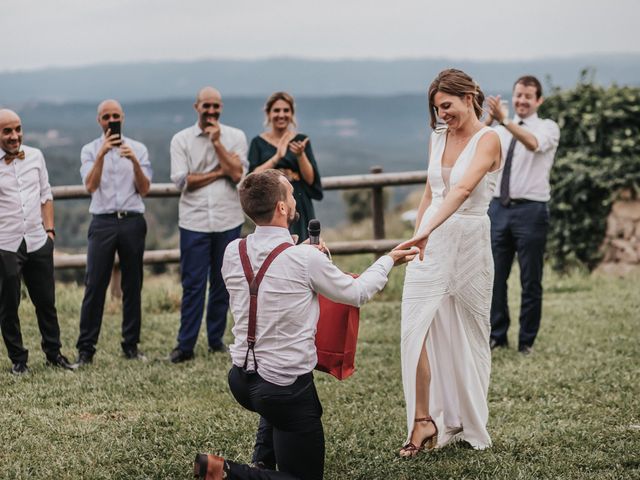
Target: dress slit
[446, 301]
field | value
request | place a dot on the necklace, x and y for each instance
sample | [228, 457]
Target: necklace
[459, 140]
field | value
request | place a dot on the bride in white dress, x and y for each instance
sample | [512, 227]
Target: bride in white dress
[446, 359]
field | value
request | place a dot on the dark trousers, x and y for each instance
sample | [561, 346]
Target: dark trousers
[292, 416]
[37, 270]
[108, 235]
[518, 229]
[201, 257]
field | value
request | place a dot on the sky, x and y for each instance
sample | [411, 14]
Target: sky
[60, 33]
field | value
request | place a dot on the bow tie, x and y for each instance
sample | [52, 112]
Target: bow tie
[8, 158]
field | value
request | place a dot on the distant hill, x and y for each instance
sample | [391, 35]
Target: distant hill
[349, 134]
[145, 81]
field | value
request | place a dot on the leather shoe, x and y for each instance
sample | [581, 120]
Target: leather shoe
[84, 359]
[493, 343]
[525, 350]
[209, 467]
[20, 368]
[179, 356]
[61, 361]
[221, 348]
[135, 354]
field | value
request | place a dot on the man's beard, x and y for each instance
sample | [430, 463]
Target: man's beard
[293, 219]
[13, 148]
[207, 117]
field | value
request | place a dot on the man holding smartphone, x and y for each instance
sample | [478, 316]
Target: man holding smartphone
[208, 160]
[116, 171]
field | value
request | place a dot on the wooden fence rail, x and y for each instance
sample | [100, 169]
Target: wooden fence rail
[376, 180]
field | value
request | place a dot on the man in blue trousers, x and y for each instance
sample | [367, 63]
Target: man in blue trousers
[519, 213]
[208, 160]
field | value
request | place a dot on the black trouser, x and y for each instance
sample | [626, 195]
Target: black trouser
[520, 228]
[293, 414]
[109, 234]
[37, 270]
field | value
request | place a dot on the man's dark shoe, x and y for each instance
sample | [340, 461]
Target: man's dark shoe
[179, 356]
[62, 362]
[209, 467]
[221, 348]
[84, 359]
[134, 354]
[525, 350]
[20, 368]
[493, 343]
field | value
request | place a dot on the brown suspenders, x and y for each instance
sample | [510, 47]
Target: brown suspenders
[254, 285]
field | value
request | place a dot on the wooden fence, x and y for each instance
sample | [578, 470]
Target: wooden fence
[376, 181]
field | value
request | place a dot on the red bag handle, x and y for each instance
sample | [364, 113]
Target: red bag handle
[254, 285]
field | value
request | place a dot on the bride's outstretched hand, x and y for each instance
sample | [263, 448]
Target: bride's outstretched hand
[419, 241]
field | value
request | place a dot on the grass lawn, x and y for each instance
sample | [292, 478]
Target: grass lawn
[570, 410]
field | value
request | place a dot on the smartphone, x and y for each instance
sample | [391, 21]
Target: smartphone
[116, 128]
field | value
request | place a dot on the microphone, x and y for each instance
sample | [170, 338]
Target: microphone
[314, 232]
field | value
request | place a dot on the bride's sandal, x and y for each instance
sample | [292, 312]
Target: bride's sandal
[428, 443]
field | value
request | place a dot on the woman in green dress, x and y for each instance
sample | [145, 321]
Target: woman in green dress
[280, 147]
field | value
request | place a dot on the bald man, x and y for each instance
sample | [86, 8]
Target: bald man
[116, 171]
[26, 245]
[208, 160]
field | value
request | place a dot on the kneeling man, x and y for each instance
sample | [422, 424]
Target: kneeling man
[273, 374]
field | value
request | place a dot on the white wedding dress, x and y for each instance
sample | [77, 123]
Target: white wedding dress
[447, 297]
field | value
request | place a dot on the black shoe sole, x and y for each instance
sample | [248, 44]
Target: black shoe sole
[70, 367]
[200, 466]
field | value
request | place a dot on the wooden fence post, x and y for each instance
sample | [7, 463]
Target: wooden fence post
[377, 200]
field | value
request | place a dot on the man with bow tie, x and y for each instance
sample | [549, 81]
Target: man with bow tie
[26, 245]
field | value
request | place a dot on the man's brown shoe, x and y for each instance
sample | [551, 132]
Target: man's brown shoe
[209, 467]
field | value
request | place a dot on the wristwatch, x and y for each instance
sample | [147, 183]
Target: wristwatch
[51, 230]
[505, 121]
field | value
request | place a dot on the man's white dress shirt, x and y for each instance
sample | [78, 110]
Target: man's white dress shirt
[214, 207]
[288, 308]
[117, 191]
[530, 170]
[24, 188]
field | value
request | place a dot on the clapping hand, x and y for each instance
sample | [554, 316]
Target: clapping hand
[283, 144]
[495, 108]
[298, 147]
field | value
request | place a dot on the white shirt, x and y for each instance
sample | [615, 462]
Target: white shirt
[214, 207]
[530, 170]
[24, 188]
[117, 191]
[287, 301]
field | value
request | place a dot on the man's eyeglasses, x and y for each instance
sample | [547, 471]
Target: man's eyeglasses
[215, 106]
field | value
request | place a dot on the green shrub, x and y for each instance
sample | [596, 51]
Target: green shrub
[598, 157]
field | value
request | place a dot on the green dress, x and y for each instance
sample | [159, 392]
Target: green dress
[260, 151]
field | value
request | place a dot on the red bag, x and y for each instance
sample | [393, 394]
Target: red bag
[336, 338]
